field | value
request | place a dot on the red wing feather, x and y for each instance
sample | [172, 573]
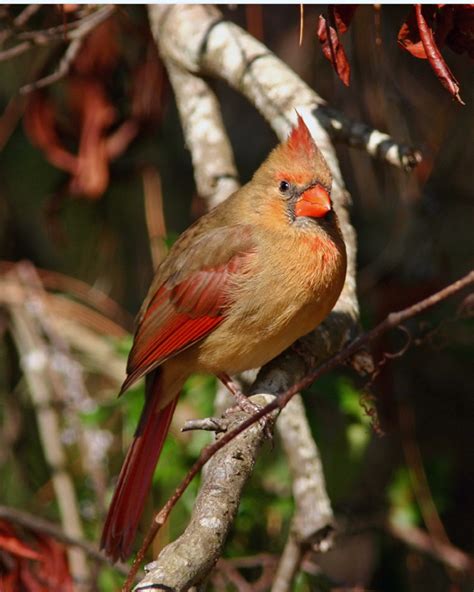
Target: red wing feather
[180, 315]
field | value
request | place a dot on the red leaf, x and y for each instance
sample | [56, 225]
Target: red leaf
[97, 114]
[436, 60]
[40, 126]
[333, 49]
[13, 545]
[409, 37]
[100, 52]
[49, 572]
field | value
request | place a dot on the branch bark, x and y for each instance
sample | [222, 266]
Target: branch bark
[188, 560]
[34, 361]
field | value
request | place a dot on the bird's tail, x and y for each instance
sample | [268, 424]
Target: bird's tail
[137, 471]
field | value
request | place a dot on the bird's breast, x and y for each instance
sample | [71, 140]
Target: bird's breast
[290, 287]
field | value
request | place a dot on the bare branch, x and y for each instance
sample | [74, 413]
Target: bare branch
[443, 551]
[75, 32]
[64, 66]
[360, 135]
[186, 561]
[11, 52]
[229, 52]
[213, 161]
[26, 14]
[34, 360]
[71, 30]
[314, 520]
[209, 424]
[288, 565]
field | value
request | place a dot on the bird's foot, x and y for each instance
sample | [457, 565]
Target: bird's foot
[244, 403]
[242, 400]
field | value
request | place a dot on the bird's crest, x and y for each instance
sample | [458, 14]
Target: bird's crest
[300, 140]
[298, 159]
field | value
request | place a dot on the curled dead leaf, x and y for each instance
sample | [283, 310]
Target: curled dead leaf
[436, 60]
[333, 49]
[40, 126]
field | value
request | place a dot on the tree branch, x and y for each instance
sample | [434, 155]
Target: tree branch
[34, 360]
[186, 561]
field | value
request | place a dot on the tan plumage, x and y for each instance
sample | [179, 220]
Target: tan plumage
[241, 285]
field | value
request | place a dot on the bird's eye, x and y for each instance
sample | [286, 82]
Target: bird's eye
[284, 186]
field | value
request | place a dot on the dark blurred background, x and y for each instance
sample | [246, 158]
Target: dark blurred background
[102, 224]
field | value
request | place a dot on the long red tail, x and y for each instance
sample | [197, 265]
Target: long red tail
[137, 471]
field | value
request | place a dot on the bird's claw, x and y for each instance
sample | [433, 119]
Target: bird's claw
[250, 408]
[244, 403]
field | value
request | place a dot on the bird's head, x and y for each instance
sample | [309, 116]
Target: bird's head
[296, 179]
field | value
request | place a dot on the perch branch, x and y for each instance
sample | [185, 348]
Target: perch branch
[186, 561]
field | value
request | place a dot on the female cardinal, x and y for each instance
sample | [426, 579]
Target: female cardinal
[237, 288]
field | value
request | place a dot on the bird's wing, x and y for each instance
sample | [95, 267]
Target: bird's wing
[189, 297]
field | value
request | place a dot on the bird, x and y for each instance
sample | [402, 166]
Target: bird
[238, 287]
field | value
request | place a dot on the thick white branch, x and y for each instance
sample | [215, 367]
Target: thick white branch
[213, 161]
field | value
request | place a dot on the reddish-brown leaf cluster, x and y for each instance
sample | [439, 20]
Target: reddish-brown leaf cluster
[87, 118]
[429, 27]
[32, 563]
[426, 29]
[328, 32]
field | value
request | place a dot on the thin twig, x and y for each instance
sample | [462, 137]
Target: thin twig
[62, 70]
[26, 14]
[391, 321]
[209, 424]
[300, 40]
[11, 52]
[155, 220]
[65, 32]
[445, 552]
[289, 564]
[69, 30]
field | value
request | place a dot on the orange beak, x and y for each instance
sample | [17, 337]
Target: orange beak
[313, 203]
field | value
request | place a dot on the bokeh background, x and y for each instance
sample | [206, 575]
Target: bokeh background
[94, 232]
